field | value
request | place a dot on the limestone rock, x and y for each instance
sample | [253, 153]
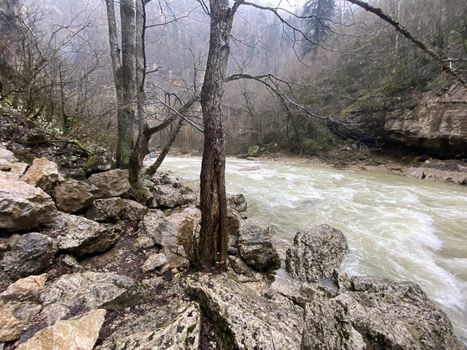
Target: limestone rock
[256, 248]
[172, 327]
[237, 202]
[82, 236]
[27, 254]
[115, 209]
[75, 293]
[112, 183]
[74, 334]
[72, 196]
[18, 306]
[24, 288]
[6, 156]
[154, 261]
[169, 192]
[12, 171]
[143, 242]
[42, 173]
[315, 254]
[23, 206]
[174, 233]
[396, 316]
[244, 318]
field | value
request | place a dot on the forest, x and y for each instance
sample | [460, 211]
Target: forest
[309, 110]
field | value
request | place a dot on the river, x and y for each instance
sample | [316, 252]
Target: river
[397, 227]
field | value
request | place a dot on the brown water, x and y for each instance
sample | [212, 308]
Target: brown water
[397, 227]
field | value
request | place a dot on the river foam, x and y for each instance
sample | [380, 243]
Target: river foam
[401, 228]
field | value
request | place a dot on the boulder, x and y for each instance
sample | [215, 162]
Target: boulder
[327, 327]
[154, 261]
[18, 306]
[256, 248]
[82, 236]
[315, 254]
[12, 171]
[75, 334]
[76, 293]
[112, 183]
[244, 318]
[27, 254]
[23, 206]
[116, 209]
[175, 233]
[172, 327]
[169, 192]
[72, 196]
[390, 315]
[42, 173]
[237, 202]
[6, 156]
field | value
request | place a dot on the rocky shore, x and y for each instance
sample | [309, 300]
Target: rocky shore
[84, 265]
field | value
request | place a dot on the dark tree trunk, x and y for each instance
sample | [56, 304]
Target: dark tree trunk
[212, 245]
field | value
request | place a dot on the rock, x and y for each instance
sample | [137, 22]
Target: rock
[12, 171]
[6, 156]
[244, 318]
[237, 202]
[23, 206]
[253, 151]
[256, 248]
[154, 261]
[143, 242]
[116, 209]
[169, 192]
[27, 254]
[24, 288]
[70, 261]
[15, 318]
[438, 170]
[112, 183]
[174, 233]
[391, 315]
[74, 334]
[76, 293]
[72, 196]
[18, 306]
[82, 236]
[42, 173]
[327, 327]
[172, 327]
[315, 254]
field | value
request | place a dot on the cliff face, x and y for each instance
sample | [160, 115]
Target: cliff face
[437, 123]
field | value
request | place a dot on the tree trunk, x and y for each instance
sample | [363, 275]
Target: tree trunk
[128, 107]
[212, 245]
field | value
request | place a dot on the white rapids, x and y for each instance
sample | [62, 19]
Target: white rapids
[397, 227]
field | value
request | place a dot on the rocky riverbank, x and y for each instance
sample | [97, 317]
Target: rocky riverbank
[83, 265]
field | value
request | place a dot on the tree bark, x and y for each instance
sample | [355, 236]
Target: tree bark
[212, 245]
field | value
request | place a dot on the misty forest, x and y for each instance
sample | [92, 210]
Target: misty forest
[233, 174]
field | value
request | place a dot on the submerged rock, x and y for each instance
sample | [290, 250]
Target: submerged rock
[27, 254]
[73, 294]
[245, 319]
[172, 327]
[72, 196]
[82, 236]
[112, 183]
[23, 206]
[315, 254]
[115, 209]
[256, 248]
[74, 334]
